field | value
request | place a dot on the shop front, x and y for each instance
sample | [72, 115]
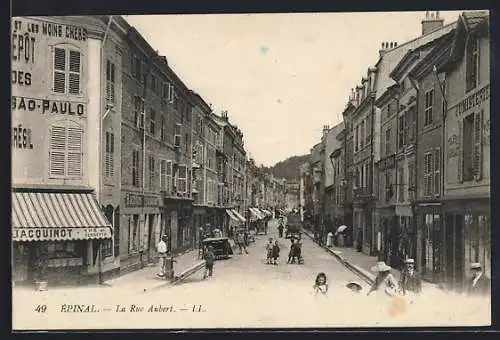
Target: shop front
[386, 237]
[57, 237]
[430, 241]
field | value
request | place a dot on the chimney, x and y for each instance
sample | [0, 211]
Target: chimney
[432, 22]
[387, 46]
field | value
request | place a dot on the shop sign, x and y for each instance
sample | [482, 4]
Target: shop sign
[473, 100]
[133, 200]
[56, 234]
[65, 262]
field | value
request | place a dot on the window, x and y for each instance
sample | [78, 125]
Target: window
[437, 171]
[151, 172]
[109, 163]
[478, 145]
[401, 131]
[168, 177]
[356, 138]
[362, 138]
[170, 93]
[411, 124]
[401, 185]
[110, 82]
[162, 128]
[182, 179]
[138, 111]
[368, 129]
[177, 135]
[66, 151]
[428, 169]
[153, 83]
[388, 141]
[428, 107]
[137, 68]
[133, 242]
[430, 253]
[152, 121]
[389, 110]
[468, 148]
[135, 168]
[163, 170]
[411, 181]
[388, 186]
[472, 64]
[67, 71]
[362, 177]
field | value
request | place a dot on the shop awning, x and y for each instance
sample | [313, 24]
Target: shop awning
[239, 216]
[231, 215]
[255, 212]
[42, 216]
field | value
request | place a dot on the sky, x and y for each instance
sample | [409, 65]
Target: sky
[281, 77]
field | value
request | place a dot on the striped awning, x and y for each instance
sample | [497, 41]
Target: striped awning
[231, 215]
[42, 216]
[239, 216]
[255, 212]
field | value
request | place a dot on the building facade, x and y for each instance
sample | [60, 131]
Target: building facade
[60, 233]
[467, 217]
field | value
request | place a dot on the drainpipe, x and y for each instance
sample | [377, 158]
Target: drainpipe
[101, 124]
[372, 166]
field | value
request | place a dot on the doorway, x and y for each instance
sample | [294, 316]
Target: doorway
[151, 239]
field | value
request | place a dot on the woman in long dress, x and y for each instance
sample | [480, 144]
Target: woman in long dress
[384, 281]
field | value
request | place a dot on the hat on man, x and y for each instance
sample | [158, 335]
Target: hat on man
[410, 261]
[354, 286]
[381, 267]
[475, 265]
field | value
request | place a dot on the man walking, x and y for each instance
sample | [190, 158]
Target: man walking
[280, 228]
[479, 284]
[410, 280]
[162, 254]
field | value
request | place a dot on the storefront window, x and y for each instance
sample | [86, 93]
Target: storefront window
[61, 249]
[133, 234]
[478, 242]
[431, 251]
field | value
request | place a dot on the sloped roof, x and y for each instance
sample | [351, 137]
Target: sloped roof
[474, 18]
[391, 58]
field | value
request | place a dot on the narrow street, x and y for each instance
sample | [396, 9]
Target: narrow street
[244, 292]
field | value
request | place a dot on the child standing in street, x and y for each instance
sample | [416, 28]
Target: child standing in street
[209, 258]
[276, 252]
[269, 251]
[321, 284]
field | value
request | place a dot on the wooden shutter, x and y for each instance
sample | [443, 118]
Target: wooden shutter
[59, 70]
[75, 148]
[57, 151]
[478, 145]
[460, 158]
[437, 171]
[74, 72]
[162, 174]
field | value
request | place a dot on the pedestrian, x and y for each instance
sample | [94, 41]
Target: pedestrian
[269, 251]
[410, 279]
[280, 228]
[384, 280]
[291, 253]
[209, 258]
[240, 239]
[321, 284]
[162, 255]
[276, 252]
[479, 284]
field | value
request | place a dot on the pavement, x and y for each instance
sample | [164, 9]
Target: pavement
[361, 264]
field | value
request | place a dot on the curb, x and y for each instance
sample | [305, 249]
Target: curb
[362, 274]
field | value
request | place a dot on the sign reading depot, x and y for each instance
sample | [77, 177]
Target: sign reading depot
[60, 234]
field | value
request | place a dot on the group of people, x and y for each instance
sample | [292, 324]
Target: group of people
[273, 251]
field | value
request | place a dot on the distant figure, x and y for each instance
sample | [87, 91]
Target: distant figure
[269, 251]
[209, 258]
[479, 284]
[280, 228]
[321, 284]
[240, 239]
[162, 255]
[276, 252]
[384, 279]
[410, 279]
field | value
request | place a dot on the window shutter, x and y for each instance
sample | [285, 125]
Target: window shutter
[57, 151]
[437, 171]
[74, 72]
[75, 155]
[478, 145]
[469, 65]
[460, 160]
[59, 70]
[162, 174]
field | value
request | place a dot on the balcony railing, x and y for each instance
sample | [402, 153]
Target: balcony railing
[362, 193]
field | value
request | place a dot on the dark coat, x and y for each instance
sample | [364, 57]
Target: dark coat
[276, 251]
[209, 258]
[411, 283]
[482, 287]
